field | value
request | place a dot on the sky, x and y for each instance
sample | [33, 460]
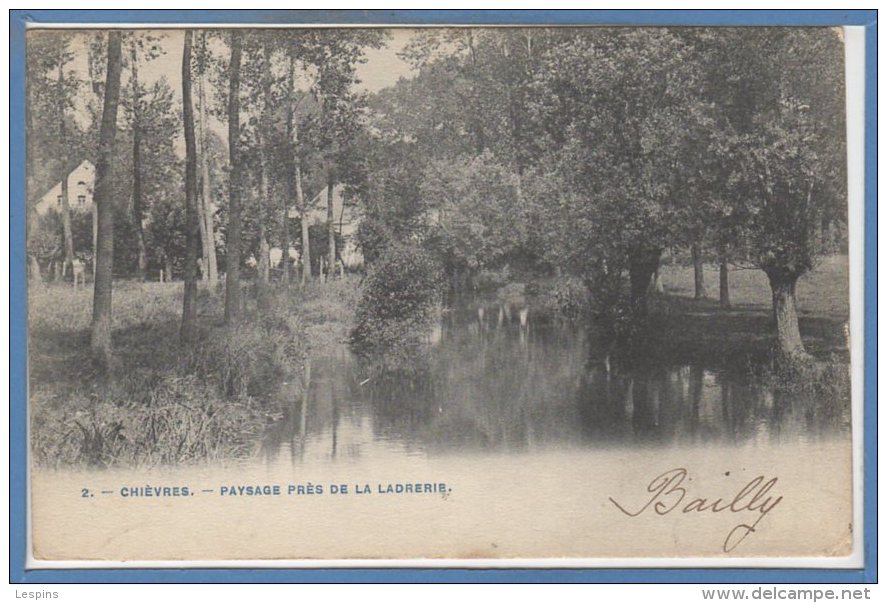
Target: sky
[382, 68]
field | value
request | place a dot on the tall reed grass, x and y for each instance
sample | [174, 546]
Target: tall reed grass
[164, 403]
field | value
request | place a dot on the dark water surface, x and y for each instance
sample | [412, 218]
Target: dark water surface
[491, 379]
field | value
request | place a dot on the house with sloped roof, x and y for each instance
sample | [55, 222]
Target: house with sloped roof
[81, 183]
[346, 220]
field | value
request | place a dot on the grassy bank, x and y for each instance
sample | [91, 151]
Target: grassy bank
[740, 339]
[166, 403]
[694, 327]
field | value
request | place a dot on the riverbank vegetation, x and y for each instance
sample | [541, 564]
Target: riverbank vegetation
[168, 403]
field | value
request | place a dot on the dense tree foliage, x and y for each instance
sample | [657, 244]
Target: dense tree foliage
[584, 153]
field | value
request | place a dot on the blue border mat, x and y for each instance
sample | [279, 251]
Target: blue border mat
[19, 19]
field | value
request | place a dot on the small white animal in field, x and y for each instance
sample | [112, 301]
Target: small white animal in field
[79, 268]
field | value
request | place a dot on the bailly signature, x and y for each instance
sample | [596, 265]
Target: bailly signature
[669, 495]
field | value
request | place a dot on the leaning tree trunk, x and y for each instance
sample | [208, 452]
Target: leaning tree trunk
[233, 241]
[698, 274]
[100, 342]
[642, 265]
[188, 330]
[142, 264]
[303, 210]
[724, 279]
[201, 227]
[211, 265]
[331, 229]
[789, 346]
[67, 230]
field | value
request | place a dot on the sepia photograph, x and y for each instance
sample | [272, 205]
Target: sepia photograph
[532, 296]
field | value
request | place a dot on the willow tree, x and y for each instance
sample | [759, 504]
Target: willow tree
[100, 343]
[786, 147]
[623, 124]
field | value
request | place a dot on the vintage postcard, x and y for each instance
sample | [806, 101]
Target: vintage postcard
[455, 296]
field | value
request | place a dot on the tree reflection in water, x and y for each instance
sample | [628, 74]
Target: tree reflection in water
[503, 380]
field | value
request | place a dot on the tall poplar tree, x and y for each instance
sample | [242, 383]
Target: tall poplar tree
[100, 343]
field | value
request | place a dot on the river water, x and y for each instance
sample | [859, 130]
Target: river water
[494, 378]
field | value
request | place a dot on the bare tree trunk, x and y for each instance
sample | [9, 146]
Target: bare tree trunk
[285, 234]
[306, 239]
[789, 345]
[292, 138]
[724, 279]
[100, 343]
[142, 264]
[211, 261]
[34, 271]
[698, 275]
[201, 225]
[232, 280]
[67, 231]
[264, 263]
[188, 331]
[656, 282]
[201, 187]
[95, 236]
[264, 266]
[293, 123]
[642, 265]
[303, 213]
[331, 228]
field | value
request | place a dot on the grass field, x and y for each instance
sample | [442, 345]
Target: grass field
[824, 292]
[700, 328]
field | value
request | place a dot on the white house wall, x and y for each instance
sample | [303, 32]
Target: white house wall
[80, 188]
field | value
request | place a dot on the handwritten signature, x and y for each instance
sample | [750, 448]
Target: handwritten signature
[669, 495]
